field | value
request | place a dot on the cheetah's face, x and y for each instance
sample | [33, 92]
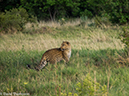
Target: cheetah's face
[65, 46]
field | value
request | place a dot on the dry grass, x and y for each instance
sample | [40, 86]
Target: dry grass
[53, 24]
[80, 38]
[42, 26]
[96, 41]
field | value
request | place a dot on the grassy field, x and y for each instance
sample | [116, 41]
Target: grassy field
[95, 51]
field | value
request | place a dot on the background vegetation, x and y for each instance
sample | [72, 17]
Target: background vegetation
[98, 65]
[117, 11]
[97, 30]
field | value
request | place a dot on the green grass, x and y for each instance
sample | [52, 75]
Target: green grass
[14, 74]
[94, 50]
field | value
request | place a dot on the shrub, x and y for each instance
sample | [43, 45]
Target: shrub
[88, 87]
[124, 57]
[83, 20]
[125, 36]
[14, 20]
[86, 13]
[118, 10]
[62, 21]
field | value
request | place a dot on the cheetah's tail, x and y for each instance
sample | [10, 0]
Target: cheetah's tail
[29, 67]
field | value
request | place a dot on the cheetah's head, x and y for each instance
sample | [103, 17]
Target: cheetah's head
[65, 46]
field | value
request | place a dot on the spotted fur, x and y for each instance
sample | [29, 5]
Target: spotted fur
[55, 55]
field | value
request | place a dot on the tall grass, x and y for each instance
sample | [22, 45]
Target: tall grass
[95, 51]
[61, 78]
[80, 38]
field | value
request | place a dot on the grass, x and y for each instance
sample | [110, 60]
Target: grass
[16, 78]
[94, 52]
[80, 38]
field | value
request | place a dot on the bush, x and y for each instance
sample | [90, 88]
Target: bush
[125, 36]
[88, 87]
[83, 20]
[14, 20]
[86, 13]
[118, 11]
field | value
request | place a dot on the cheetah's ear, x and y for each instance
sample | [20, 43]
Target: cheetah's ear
[68, 43]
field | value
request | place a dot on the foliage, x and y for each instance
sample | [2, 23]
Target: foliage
[83, 20]
[62, 21]
[14, 20]
[90, 8]
[88, 87]
[116, 10]
[51, 9]
[125, 36]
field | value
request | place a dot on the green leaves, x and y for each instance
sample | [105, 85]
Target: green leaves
[118, 10]
[125, 36]
[14, 19]
[88, 87]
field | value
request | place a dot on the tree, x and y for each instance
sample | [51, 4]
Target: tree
[118, 10]
[51, 9]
